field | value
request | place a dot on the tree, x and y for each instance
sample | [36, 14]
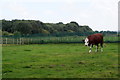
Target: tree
[35, 27]
[45, 31]
[6, 25]
[24, 28]
[16, 33]
[27, 27]
[70, 31]
[5, 33]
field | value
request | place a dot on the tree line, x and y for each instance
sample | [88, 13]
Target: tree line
[38, 28]
[26, 27]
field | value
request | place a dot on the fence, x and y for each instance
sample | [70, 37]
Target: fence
[42, 40]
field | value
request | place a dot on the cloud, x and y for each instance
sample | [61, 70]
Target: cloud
[98, 14]
[15, 10]
[18, 9]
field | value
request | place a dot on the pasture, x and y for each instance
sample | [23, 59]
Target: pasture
[59, 61]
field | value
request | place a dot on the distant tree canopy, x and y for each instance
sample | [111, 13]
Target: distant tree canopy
[36, 27]
[32, 27]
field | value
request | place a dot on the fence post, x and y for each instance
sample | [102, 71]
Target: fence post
[1, 40]
[31, 40]
[28, 40]
[23, 41]
[20, 41]
[6, 40]
[13, 41]
[17, 41]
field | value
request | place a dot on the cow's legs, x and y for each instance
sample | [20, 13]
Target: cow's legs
[96, 48]
[101, 44]
[90, 50]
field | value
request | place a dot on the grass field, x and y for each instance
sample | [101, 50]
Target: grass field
[59, 61]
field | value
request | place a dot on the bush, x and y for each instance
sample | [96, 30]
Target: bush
[45, 31]
[5, 33]
[16, 33]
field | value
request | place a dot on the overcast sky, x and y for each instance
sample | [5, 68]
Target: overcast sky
[97, 14]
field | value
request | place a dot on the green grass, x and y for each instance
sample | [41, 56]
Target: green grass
[59, 61]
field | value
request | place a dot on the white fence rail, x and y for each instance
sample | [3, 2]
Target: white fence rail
[35, 40]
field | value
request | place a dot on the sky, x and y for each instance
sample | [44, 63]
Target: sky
[97, 14]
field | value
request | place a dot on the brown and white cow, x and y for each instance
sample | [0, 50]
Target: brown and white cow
[94, 39]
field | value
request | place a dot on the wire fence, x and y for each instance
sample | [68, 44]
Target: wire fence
[44, 40]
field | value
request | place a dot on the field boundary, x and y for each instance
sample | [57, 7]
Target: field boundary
[55, 40]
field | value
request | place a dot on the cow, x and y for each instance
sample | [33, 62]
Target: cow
[94, 39]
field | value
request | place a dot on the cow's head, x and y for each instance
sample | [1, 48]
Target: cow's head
[86, 42]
